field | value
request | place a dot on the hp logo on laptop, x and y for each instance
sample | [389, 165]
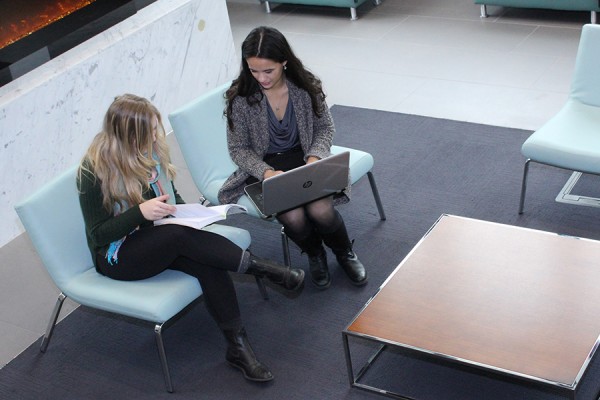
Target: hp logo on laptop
[307, 184]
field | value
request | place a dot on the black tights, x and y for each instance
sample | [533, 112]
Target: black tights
[319, 215]
[207, 256]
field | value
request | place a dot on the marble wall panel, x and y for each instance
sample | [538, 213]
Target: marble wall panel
[170, 52]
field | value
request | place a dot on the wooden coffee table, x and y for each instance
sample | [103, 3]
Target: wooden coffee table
[514, 303]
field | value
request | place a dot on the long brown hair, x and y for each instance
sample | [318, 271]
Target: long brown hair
[269, 43]
[121, 155]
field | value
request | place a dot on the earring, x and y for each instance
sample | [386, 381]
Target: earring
[284, 67]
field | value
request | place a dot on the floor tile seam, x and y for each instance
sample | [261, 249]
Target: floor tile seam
[16, 350]
[506, 21]
[425, 78]
[386, 39]
[492, 85]
[480, 49]
[402, 101]
[262, 10]
[391, 28]
[541, 24]
[515, 50]
[333, 36]
[454, 18]
[13, 325]
[365, 70]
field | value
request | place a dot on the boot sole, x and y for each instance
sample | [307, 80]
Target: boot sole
[361, 283]
[249, 377]
[322, 287]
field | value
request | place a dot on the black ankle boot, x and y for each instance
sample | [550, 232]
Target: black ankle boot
[352, 266]
[289, 278]
[341, 246]
[240, 355]
[317, 259]
[319, 273]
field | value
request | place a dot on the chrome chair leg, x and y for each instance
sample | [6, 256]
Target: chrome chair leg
[484, 13]
[524, 186]
[376, 195]
[52, 323]
[163, 357]
[261, 287]
[285, 244]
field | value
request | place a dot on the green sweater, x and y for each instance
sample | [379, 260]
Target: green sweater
[102, 227]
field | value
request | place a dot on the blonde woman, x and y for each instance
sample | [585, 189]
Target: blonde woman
[125, 183]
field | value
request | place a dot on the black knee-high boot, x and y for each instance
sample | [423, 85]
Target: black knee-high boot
[240, 355]
[289, 278]
[341, 246]
[317, 259]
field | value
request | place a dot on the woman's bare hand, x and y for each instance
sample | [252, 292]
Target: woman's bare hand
[270, 173]
[157, 208]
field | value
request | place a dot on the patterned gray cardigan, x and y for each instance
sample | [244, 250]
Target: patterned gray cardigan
[248, 141]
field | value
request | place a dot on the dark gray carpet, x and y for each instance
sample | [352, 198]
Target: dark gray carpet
[424, 167]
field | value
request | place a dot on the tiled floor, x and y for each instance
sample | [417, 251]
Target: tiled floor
[425, 57]
[432, 57]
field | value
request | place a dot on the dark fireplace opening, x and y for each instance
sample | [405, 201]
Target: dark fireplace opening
[33, 32]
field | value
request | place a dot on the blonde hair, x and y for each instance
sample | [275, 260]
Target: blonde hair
[121, 155]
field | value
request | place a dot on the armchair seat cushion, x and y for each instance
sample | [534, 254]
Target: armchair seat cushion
[154, 299]
[570, 140]
[361, 162]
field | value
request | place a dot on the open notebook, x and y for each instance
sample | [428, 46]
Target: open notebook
[198, 216]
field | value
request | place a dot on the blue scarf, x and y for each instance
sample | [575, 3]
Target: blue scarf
[160, 185]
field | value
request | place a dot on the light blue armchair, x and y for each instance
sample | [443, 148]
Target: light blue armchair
[571, 139]
[201, 132]
[53, 221]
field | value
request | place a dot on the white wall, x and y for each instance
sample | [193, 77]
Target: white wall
[170, 52]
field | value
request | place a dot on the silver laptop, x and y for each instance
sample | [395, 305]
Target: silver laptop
[300, 185]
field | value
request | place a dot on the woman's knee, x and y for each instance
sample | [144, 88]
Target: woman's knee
[293, 218]
[321, 211]
[295, 222]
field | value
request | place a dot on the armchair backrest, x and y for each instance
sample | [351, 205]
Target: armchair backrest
[53, 220]
[586, 78]
[201, 131]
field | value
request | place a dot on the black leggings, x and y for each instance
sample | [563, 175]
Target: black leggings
[318, 216]
[207, 256]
